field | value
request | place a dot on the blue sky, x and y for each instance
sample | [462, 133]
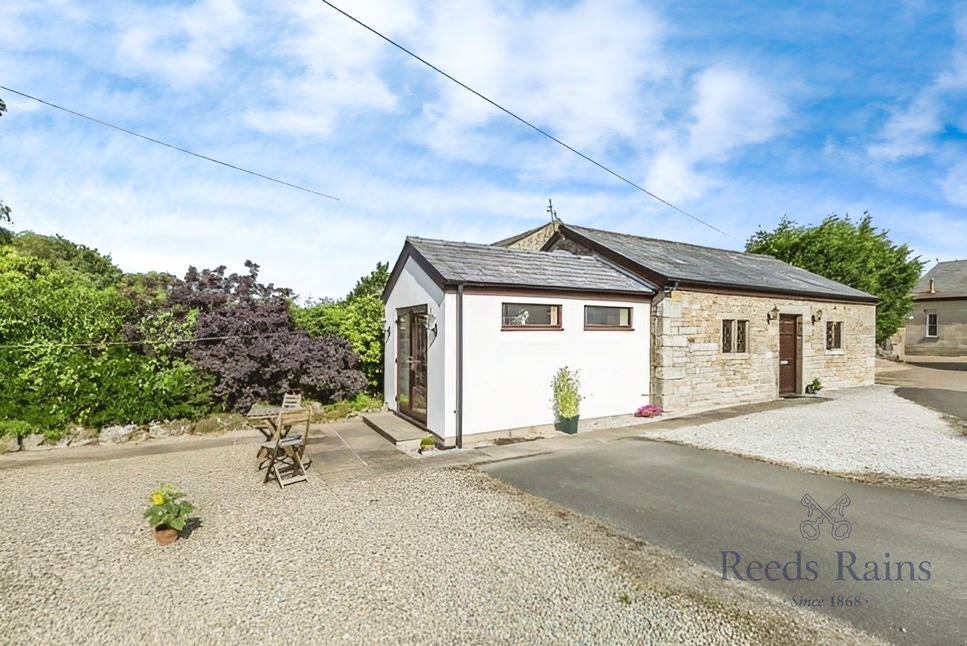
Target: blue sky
[737, 112]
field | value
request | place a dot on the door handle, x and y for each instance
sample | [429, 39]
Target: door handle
[784, 362]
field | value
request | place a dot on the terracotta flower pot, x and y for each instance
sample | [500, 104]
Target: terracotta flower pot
[165, 535]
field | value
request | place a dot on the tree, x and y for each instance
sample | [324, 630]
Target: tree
[68, 257]
[63, 360]
[245, 337]
[852, 253]
[358, 318]
[5, 234]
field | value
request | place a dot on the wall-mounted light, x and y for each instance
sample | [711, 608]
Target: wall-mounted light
[817, 317]
[773, 314]
[430, 322]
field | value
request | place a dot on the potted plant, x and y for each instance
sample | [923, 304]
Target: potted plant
[427, 444]
[814, 387]
[168, 513]
[566, 400]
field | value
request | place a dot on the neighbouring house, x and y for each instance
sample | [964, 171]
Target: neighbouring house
[475, 332]
[938, 322]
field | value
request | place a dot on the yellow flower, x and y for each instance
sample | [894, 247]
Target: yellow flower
[157, 498]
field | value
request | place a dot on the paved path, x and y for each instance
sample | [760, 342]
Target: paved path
[702, 503]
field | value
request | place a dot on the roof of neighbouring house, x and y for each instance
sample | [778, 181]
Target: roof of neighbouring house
[669, 262]
[949, 281]
[453, 263]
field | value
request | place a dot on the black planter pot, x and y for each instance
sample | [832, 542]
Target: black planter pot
[568, 425]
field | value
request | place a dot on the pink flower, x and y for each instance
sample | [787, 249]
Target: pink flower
[648, 410]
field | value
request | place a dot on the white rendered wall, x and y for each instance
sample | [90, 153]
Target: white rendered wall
[507, 374]
[414, 287]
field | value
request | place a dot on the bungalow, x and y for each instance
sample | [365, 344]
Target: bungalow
[938, 322]
[475, 332]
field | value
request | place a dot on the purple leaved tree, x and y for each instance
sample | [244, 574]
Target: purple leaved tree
[245, 337]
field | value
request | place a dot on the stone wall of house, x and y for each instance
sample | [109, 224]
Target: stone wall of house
[536, 240]
[691, 372]
[951, 339]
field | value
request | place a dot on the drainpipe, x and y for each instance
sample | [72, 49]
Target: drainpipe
[459, 410]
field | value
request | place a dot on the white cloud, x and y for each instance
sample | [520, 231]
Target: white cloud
[955, 185]
[184, 46]
[577, 71]
[912, 129]
[733, 108]
[330, 66]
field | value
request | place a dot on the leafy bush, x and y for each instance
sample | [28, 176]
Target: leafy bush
[246, 339]
[62, 357]
[15, 428]
[566, 393]
[358, 318]
[342, 409]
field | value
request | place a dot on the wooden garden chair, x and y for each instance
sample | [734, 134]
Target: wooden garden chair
[285, 453]
[270, 425]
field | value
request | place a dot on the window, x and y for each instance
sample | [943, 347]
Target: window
[535, 316]
[607, 318]
[735, 336]
[932, 330]
[834, 335]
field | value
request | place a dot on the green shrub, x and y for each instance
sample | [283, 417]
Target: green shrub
[359, 404]
[566, 397]
[15, 428]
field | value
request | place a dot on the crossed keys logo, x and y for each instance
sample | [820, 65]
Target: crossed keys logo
[840, 529]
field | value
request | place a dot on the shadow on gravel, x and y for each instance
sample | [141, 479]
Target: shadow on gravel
[190, 526]
[960, 367]
[949, 402]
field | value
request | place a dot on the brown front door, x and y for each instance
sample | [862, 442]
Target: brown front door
[411, 361]
[788, 353]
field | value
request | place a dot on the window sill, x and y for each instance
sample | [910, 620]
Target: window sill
[608, 328]
[835, 351]
[735, 355]
[531, 328]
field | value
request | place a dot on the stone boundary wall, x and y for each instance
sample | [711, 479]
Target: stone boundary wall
[690, 371]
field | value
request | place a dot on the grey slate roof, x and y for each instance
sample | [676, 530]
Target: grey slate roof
[949, 281]
[486, 265]
[686, 263]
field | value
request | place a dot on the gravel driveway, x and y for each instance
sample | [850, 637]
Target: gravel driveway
[857, 430]
[421, 555]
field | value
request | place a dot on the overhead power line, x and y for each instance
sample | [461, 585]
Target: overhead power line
[162, 143]
[521, 119]
[156, 342]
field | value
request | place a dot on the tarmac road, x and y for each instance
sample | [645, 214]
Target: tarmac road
[711, 507]
[939, 383]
